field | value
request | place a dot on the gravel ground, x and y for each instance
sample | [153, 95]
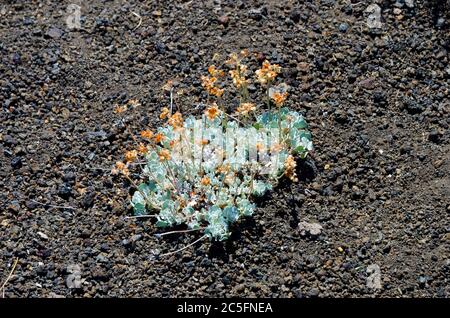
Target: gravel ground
[378, 182]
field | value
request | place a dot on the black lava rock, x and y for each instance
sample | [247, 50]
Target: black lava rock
[160, 47]
[379, 98]
[435, 136]
[65, 191]
[343, 27]
[88, 200]
[54, 33]
[412, 106]
[16, 162]
[69, 176]
[340, 116]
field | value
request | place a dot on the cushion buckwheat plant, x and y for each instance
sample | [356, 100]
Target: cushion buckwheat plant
[203, 172]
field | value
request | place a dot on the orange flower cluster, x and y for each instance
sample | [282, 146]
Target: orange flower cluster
[131, 155]
[208, 83]
[134, 103]
[123, 108]
[276, 148]
[121, 167]
[168, 85]
[120, 109]
[212, 112]
[176, 120]
[245, 108]
[214, 72]
[223, 169]
[159, 137]
[164, 154]
[142, 149]
[279, 98]
[235, 59]
[164, 113]
[267, 72]
[260, 147]
[238, 76]
[148, 134]
[205, 181]
[290, 165]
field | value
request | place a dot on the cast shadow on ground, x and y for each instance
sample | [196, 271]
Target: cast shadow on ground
[306, 172]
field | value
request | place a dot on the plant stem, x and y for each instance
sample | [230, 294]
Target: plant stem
[171, 100]
[183, 248]
[268, 97]
[201, 143]
[2, 288]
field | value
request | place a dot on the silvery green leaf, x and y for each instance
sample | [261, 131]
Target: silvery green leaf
[260, 187]
[217, 230]
[194, 225]
[137, 198]
[139, 209]
[245, 207]
[162, 223]
[307, 143]
[188, 210]
[148, 188]
[214, 213]
[231, 214]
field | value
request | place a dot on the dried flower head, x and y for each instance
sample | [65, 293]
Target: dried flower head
[120, 109]
[218, 92]
[232, 60]
[121, 167]
[142, 149]
[134, 103]
[208, 85]
[245, 53]
[290, 165]
[205, 181]
[131, 155]
[159, 137]
[148, 134]
[267, 72]
[213, 71]
[279, 98]
[229, 179]
[212, 112]
[164, 154]
[275, 148]
[164, 113]
[223, 169]
[245, 108]
[168, 85]
[260, 147]
[176, 120]
[238, 78]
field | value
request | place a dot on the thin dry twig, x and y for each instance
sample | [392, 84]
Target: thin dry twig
[140, 20]
[185, 247]
[2, 288]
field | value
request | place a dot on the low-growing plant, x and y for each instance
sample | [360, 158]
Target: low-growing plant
[204, 172]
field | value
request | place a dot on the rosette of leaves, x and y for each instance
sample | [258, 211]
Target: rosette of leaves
[177, 190]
